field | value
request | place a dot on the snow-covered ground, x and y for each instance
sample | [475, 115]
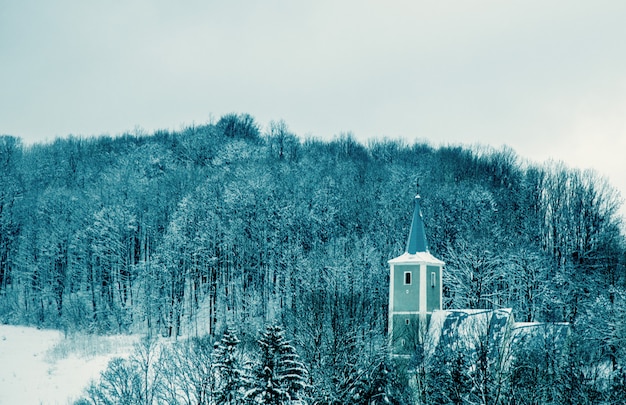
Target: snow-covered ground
[42, 367]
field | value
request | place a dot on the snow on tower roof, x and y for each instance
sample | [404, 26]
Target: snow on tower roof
[419, 257]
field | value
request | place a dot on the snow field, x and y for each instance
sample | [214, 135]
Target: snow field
[44, 367]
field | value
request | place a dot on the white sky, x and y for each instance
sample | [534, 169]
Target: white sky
[547, 78]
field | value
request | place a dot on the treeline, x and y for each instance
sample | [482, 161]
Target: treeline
[223, 224]
[268, 371]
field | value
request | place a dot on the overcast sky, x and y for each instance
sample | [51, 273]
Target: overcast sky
[547, 78]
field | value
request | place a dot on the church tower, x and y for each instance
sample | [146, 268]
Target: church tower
[415, 289]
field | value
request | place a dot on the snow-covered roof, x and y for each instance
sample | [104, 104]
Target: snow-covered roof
[556, 332]
[464, 329]
[470, 331]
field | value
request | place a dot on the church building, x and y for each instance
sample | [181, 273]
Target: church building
[418, 323]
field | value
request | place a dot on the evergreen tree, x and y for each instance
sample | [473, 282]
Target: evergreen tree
[230, 376]
[280, 377]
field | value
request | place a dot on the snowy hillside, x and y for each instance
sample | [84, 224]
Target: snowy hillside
[43, 367]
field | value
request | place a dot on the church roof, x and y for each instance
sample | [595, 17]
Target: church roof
[417, 236]
[467, 331]
[416, 244]
[464, 328]
[554, 332]
[419, 257]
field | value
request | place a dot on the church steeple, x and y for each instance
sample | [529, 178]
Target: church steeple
[417, 237]
[415, 289]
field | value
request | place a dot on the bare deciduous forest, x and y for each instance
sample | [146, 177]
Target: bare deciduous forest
[221, 232]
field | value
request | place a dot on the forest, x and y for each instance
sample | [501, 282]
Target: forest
[268, 244]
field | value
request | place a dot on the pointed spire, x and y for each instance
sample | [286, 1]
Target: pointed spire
[417, 237]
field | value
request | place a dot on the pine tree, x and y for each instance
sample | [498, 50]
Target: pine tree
[280, 377]
[230, 376]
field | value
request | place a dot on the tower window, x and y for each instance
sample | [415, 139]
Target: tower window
[433, 280]
[407, 321]
[407, 277]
